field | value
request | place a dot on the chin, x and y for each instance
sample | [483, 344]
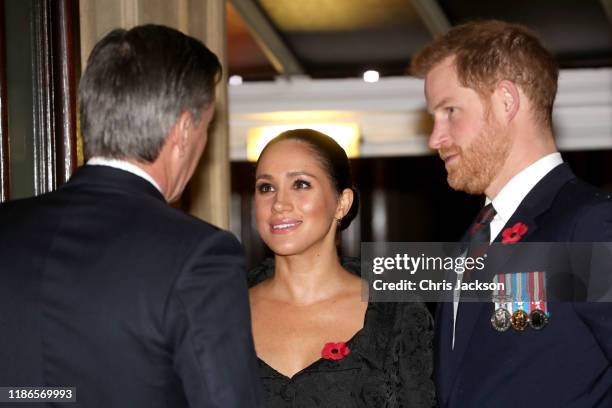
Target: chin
[466, 184]
[288, 246]
[285, 250]
[296, 243]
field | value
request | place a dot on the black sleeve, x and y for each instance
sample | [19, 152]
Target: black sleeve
[595, 225]
[209, 325]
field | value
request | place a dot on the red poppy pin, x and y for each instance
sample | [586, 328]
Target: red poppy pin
[335, 351]
[512, 235]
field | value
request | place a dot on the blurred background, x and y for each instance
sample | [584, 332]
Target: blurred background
[335, 65]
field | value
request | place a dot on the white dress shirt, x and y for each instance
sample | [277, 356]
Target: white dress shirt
[507, 201]
[123, 165]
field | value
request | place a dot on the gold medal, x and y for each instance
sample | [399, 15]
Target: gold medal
[520, 320]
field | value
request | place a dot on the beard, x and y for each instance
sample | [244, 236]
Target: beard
[481, 161]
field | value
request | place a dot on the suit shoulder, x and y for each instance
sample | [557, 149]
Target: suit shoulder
[189, 221]
[22, 210]
[579, 194]
[203, 232]
[590, 210]
[19, 204]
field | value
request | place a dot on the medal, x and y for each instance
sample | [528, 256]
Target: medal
[521, 302]
[519, 320]
[537, 319]
[501, 320]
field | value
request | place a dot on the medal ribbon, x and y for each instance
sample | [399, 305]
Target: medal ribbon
[541, 291]
[510, 292]
[524, 296]
[499, 294]
[531, 282]
[519, 282]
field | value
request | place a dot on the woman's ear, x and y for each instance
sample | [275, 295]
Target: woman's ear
[345, 201]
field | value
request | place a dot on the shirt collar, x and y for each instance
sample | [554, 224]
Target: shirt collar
[512, 194]
[123, 165]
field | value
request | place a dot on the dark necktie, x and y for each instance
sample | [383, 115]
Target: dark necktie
[479, 233]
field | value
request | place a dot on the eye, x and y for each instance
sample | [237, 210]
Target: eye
[301, 184]
[264, 188]
[450, 110]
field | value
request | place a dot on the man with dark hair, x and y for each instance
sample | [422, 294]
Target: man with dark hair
[490, 87]
[103, 286]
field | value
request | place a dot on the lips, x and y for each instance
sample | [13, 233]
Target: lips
[449, 157]
[284, 226]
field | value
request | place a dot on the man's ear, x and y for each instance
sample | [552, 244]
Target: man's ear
[345, 201]
[510, 98]
[180, 133]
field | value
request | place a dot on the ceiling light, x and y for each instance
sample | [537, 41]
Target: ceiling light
[235, 80]
[371, 76]
[345, 134]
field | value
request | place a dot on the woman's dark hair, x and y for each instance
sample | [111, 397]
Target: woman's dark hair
[333, 159]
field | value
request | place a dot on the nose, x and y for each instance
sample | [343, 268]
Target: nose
[281, 202]
[439, 135]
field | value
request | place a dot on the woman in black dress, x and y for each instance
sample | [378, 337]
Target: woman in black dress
[318, 343]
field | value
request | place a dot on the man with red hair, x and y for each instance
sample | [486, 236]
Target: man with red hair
[490, 87]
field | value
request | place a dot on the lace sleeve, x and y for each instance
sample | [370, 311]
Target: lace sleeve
[415, 356]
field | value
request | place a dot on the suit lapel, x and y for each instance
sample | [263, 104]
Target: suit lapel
[533, 206]
[537, 202]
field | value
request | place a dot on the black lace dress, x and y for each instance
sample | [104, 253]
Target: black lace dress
[389, 364]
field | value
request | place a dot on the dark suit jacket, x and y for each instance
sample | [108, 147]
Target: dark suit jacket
[106, 288]
[566, 364]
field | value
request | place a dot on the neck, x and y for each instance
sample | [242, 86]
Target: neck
[157, 171]
[309, 277]
[528, 147]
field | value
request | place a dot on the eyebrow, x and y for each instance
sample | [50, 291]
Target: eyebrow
[263, 176]
[444, 101]
[300, 173]
[291, 174]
